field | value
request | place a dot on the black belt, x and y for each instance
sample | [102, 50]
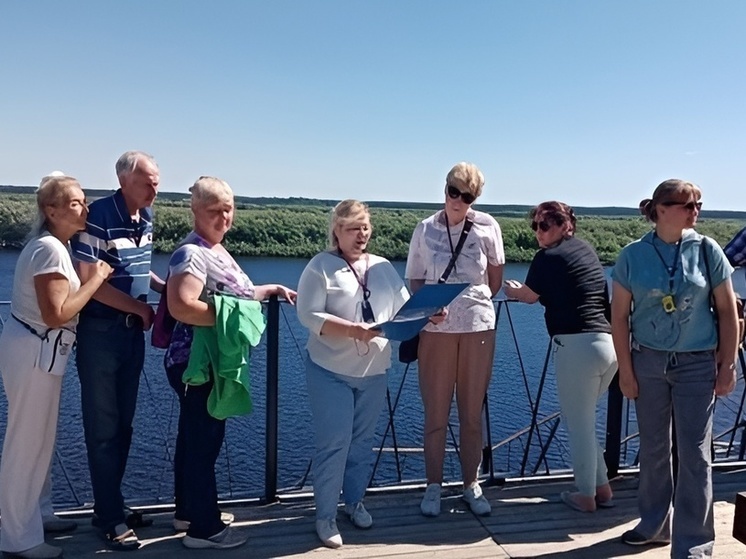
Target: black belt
[128, 320]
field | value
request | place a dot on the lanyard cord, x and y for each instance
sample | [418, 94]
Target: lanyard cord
[362, 282]
[674, 266]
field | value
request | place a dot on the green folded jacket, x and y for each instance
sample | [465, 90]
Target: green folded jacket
[225, 349]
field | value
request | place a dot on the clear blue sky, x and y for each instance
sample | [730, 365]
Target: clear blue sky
[592, 102]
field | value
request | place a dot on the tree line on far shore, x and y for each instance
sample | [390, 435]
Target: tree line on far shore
[302, 231]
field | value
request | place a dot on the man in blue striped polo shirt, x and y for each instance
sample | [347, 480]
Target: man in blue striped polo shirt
[111, 344]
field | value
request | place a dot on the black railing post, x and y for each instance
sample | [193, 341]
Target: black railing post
[270, 450]
[614, 407]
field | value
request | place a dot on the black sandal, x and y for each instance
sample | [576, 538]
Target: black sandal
[126, 541]
[135, 519]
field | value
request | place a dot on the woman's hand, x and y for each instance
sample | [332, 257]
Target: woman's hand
[362, 331]
[725, 381]
[288, 294]
[628, 385]
[102, 271]
[511, 288]
[439, 316]
[516, 290]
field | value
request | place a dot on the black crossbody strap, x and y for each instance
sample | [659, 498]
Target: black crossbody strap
[31, 329]
[462, 239]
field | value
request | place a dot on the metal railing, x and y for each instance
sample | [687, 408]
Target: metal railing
[535, 445]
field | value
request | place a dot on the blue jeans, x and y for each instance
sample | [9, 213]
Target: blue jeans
[198, 445]
[681, 384]
[345, 411]
[109, 359]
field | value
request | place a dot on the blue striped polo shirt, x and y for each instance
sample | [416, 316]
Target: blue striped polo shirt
[126, 245]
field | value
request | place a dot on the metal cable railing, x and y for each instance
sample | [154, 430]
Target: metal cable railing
[265, 460]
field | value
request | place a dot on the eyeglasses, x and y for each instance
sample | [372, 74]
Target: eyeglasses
[543, 225]
[466, 197]
[689, 206]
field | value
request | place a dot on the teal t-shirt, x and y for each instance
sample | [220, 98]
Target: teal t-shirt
[651, 269]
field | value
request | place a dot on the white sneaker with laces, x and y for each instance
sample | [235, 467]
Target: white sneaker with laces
[328, 533]
[477, 501]
[430, 505]
[360, 517]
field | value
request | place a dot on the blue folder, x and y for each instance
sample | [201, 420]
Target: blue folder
[415, 313]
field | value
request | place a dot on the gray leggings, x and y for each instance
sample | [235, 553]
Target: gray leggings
[584, 364]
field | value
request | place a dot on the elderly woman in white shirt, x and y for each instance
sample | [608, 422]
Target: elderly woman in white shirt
[47, 297]
[341, 294]
[458, 352]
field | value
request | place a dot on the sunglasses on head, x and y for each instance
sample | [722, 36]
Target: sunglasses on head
[543, 225]
[686, 205]
[466, 197]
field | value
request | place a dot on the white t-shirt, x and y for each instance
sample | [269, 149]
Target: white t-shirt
[430, 253]
[327, 288]
[43, 255]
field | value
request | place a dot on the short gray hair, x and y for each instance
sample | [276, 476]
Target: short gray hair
[127, 162]
[208, 190]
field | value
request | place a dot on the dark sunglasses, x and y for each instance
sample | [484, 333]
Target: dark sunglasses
[466, 197]
[543, 225]
[686, 205]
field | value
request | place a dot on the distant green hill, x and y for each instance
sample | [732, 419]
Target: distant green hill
[297, 227]
[506, 210]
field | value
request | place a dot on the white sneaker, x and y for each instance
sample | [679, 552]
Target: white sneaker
[477, 501]
[225, 539]
[359, 516]
[430, 505]
[226, 518]
[328, 533]
[41, 551]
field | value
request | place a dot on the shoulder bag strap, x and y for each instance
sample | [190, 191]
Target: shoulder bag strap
[462, 239]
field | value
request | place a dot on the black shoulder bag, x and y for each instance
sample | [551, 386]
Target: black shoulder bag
[408, 348]
[739, 304]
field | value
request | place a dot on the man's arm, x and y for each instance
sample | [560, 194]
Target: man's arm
[113, 297]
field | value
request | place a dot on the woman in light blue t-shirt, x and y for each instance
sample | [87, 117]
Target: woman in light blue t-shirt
[674, 358]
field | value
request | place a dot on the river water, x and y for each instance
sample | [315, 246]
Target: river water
[521, 345]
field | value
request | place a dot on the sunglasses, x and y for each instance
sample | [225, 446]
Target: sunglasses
[690, 206]
[543, 225]
[466, 197]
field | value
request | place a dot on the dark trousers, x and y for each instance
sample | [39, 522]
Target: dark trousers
[197, 448]
[109, 358]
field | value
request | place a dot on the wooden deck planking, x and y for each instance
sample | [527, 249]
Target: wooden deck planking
[527, 520]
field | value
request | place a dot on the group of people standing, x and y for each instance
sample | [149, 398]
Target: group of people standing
[670, 330]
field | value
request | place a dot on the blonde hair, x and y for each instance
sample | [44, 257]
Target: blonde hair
[668, 190]
[347, 211]
[209, 190]
[53, 191]
[466, 176]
